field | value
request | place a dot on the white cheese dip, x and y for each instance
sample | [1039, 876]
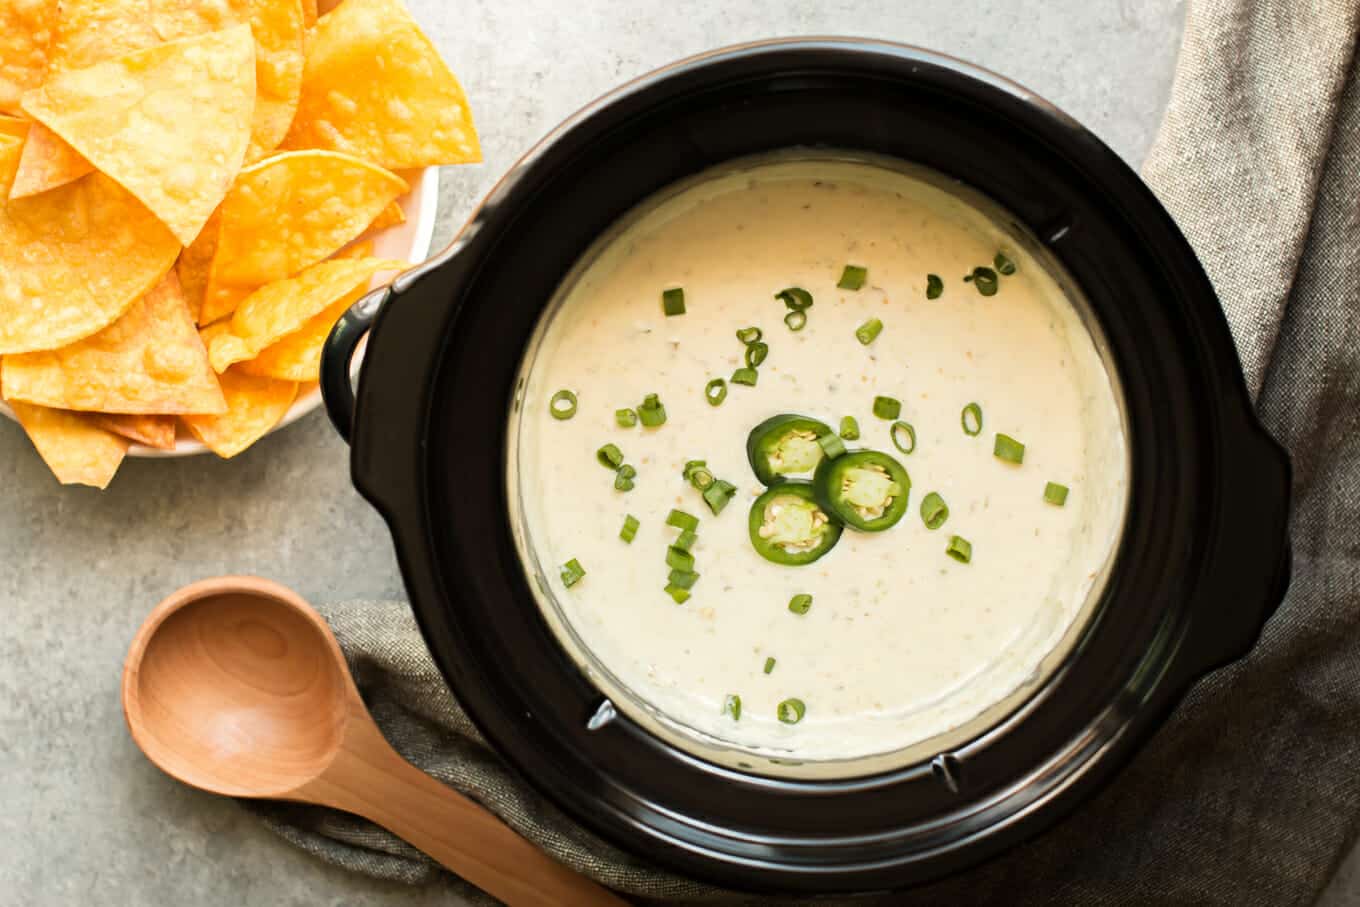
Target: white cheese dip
[902, 643]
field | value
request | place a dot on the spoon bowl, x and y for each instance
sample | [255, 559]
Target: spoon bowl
[236, 685]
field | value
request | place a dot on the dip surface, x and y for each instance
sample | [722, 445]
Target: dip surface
[901, 642]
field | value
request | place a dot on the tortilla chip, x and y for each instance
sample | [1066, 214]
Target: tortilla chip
[46, 163]
[74, 259]
[289, 212]
[153, 431]
[309, 12]
[220, 301]
[10, 149]
[206, 334]
[285, 306]
[92, 31]
[26, 30]
[360, 248]
[278, 28]
[170, 123]
[194, 263]
[295, 209]
[254, 406]
[390, 216]
[14, 127]
[375, 87]
[76, 450]
[149, 361]
[297, 356]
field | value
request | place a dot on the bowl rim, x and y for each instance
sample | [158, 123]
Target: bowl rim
[426, 197]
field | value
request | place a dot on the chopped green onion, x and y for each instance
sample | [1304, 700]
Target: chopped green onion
[1008, 449]
[769, 665]
[1003, 264]
[563, 404]
[697, 474]
[715, 392]
[960, 549]
[652, 412]
[853, 277]
[971, 420]
[746, 376]
[718, 494]
[903, 436]
[934, 286]
[572, 571]
[791, 711]
[630, 528]
[685, 541]
[673, 301]
[1055, 494]
[887, 407]
[831, 445]
[849, 428]
[623, 479]
[679, 559]
[800, 603]
[678, 595]
[610, 457]
[749, 335]
[625, 418]
[732, 706]
[796, 320]
[684, 579]
[686, 522]
[756, 353]
[984, 279]
[934, 511]
[868, 331]
[796, 298]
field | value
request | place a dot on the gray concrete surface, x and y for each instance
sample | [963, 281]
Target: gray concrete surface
[83, 817]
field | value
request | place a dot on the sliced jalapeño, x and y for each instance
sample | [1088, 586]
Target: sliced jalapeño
[789, 527]
[785, 446]
[866, 490]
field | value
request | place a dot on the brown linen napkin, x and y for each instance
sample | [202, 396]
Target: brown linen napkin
[1249, 796]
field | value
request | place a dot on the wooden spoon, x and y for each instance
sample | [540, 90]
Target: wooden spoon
[236, 686]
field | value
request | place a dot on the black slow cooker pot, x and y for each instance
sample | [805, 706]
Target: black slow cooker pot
[1202, 562]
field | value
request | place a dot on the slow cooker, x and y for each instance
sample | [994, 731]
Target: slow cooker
[1202, 562]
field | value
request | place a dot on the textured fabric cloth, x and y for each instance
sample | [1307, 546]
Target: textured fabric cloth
[1249, 795]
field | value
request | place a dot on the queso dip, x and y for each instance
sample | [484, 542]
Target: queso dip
[880, 305]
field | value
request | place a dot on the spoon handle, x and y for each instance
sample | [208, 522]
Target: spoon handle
[371, 779]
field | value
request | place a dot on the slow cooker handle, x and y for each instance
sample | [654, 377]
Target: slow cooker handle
[337, 358]
[1252, 564]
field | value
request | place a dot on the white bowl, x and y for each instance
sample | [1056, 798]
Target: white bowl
[409, 241]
